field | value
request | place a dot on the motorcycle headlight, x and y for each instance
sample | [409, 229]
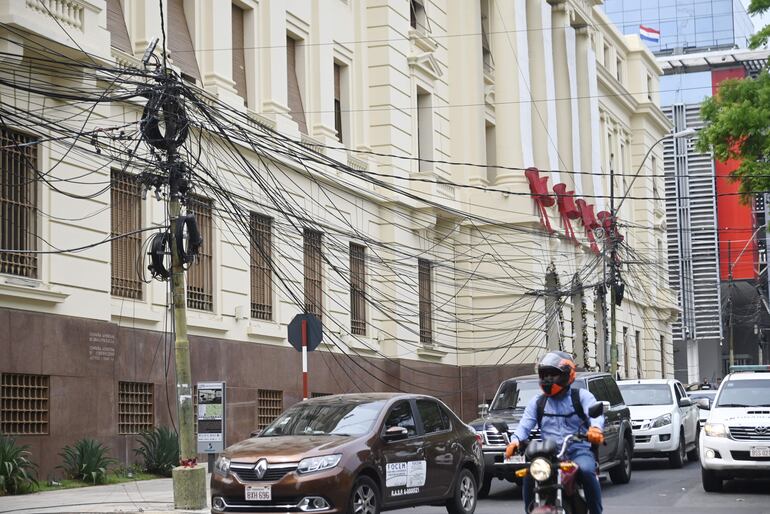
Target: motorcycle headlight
[715, 429]
[540, 470]
[222, 466]
[661, 421]
[318, 463]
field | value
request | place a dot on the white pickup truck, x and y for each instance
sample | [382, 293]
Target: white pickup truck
[664, 419]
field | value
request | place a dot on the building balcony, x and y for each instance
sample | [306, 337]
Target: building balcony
[78, 25]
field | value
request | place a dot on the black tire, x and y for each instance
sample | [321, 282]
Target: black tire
[677, 457]
[694, 454]
[712, 483]
[486, 485]
[364, 497]
[465, 495]
[621, 474]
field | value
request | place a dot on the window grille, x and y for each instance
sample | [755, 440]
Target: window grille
[425, 294]
[313, 272]
[261, 273]
[126, 213]
[18, 203]
[319, 395]
[357, 289]
[200, 275]
[23, 404]
[269, 406]
[135, 407]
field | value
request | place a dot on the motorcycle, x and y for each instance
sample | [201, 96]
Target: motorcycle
[556, 486]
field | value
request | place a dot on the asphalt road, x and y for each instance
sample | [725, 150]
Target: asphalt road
[654, 488]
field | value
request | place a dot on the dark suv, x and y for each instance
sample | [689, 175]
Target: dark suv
[499, 421]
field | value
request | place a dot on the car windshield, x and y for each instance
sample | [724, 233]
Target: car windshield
[341, 417]
[745, 393]
[646, 394]
[515, 395]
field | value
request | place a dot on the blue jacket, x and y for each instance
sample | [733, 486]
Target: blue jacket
[558, 427]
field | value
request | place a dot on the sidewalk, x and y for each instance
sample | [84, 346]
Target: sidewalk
[145, 496]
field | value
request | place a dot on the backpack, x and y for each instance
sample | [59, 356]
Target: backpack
[576, 405]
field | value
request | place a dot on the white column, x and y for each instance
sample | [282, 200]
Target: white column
[320, 83]
[543, 90]
[271, 33]
[216, 56]
[143, 23]
[513, 110]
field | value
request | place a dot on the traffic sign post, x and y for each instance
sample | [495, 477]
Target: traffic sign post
[305, 334]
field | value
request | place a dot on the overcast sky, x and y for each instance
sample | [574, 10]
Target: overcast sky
[758, 22]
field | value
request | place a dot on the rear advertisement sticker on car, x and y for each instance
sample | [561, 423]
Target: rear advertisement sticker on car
[409, 476]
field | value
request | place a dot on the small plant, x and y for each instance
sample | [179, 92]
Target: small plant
[17, 472]
[160, 450]
[87, 460]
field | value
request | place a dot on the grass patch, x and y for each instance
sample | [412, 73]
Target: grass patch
[109, 480]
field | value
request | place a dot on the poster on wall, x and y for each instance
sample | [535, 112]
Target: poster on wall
[211, 417]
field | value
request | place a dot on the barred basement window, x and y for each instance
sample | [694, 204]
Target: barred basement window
[261, 274]
[200, 275]
[313, 271]
[23, 404]
[126, 213]
[135, 407]
[357, 289]
[425, 294]
[18, 203]
[319, 395]
[269, 406]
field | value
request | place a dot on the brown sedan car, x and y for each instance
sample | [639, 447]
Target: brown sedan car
[353, 453]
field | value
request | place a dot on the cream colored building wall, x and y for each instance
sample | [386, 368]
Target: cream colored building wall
[551, 100]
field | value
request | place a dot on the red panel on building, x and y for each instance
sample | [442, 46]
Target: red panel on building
[735, 220]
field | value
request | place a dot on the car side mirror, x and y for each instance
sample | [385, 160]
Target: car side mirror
[395, 434]
[703, 403]
[597, 409]
[255, 433]
[685, 402]
[483, 410]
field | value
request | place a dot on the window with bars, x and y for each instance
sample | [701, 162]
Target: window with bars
[313, 271]
[319, 395]
[200, 275]
[126, 214]
[135, 407]
[269, 406]
[23, 404]
[261, 273]
[238, 53]
[18, 203]
[358, 289]
[425, 293]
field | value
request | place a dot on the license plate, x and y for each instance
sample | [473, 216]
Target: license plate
[515, 459]
[759, 451]
[256, 493]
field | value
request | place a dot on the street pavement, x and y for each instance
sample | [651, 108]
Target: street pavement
[654, 488]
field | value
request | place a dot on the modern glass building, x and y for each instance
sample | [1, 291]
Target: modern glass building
[684, 25]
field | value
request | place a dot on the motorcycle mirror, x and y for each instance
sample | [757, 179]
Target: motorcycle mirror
[596, 410]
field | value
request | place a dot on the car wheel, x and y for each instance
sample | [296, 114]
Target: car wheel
[621, 474]
[486, 485]
[712, 483]
[677, 457]
[693, 454]
[365, 497]
[463, 500]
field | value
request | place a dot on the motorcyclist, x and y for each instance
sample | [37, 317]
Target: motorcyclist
[559, 420]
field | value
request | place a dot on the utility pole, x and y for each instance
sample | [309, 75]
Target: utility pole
[613, 278]
[731, 341]
[165, 110]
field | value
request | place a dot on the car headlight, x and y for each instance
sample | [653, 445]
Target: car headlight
[661, 421]
[222, 466]
[318, 463]
[715, 429]
[540, 470]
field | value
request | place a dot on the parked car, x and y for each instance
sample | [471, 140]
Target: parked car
[707, 394]
[664, 418]
[361, 453]
[499, 420]
[736, 437]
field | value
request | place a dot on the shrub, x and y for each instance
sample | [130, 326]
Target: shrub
[160, 450]
[17, 472]
[87, 460]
